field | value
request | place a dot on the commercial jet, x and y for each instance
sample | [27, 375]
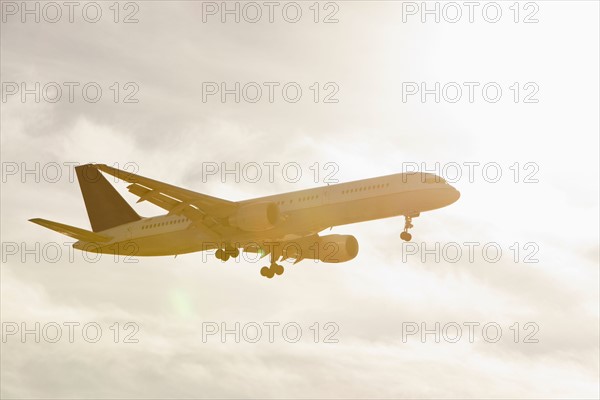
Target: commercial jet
[284, 226]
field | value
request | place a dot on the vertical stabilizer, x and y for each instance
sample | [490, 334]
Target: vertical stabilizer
[105, 206]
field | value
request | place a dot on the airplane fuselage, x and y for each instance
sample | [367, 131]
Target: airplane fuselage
[303, 213]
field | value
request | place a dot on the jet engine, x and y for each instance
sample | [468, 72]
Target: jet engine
[329, 248]
[337, 248]
[256, 217]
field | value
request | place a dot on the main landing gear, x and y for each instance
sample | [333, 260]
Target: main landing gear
[407, 225]
[229, 251]
[274, 269]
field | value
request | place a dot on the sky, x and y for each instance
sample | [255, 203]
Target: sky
[361, 85]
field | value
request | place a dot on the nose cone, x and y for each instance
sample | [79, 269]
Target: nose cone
[443, 197]
[452, 195]
[431, 197]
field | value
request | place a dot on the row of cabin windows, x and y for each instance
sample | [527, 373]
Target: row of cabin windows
[176, 221]
[361, 189]
[365, 188]
[305, 198]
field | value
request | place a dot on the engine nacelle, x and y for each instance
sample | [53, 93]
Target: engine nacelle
[337, 248]
[329, 248]
[257, 217]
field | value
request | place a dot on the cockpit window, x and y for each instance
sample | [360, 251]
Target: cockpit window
[430, 178]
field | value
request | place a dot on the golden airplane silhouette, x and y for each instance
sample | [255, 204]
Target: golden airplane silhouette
[286, 226]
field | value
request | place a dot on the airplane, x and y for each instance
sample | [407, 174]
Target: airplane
[284, 226]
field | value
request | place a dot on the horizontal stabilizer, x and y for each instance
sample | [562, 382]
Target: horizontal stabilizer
[76, 233]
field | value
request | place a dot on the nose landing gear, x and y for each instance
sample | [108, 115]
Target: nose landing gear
[407, 225]
[406, 236]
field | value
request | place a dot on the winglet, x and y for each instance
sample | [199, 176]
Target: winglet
[71, 231]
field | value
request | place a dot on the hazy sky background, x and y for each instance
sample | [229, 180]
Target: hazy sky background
[370, 131]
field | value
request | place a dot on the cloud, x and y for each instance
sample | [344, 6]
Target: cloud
[170, 135]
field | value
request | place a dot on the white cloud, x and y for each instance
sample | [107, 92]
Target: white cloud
[171, 132]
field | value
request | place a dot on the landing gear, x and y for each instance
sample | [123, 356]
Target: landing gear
[407, 225]
[274, 269]
[229, 251]
[222, 255]
[271, 271]
[267, 272]
[278, 268]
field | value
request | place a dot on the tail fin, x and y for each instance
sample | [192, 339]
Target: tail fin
[105, 206]
[77, 233]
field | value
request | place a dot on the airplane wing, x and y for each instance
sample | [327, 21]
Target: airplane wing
[202, 209]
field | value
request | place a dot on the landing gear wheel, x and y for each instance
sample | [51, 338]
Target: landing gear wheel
[267, 272]
[229, 251]
[407, 225]
[274, 269]
[222, 255]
